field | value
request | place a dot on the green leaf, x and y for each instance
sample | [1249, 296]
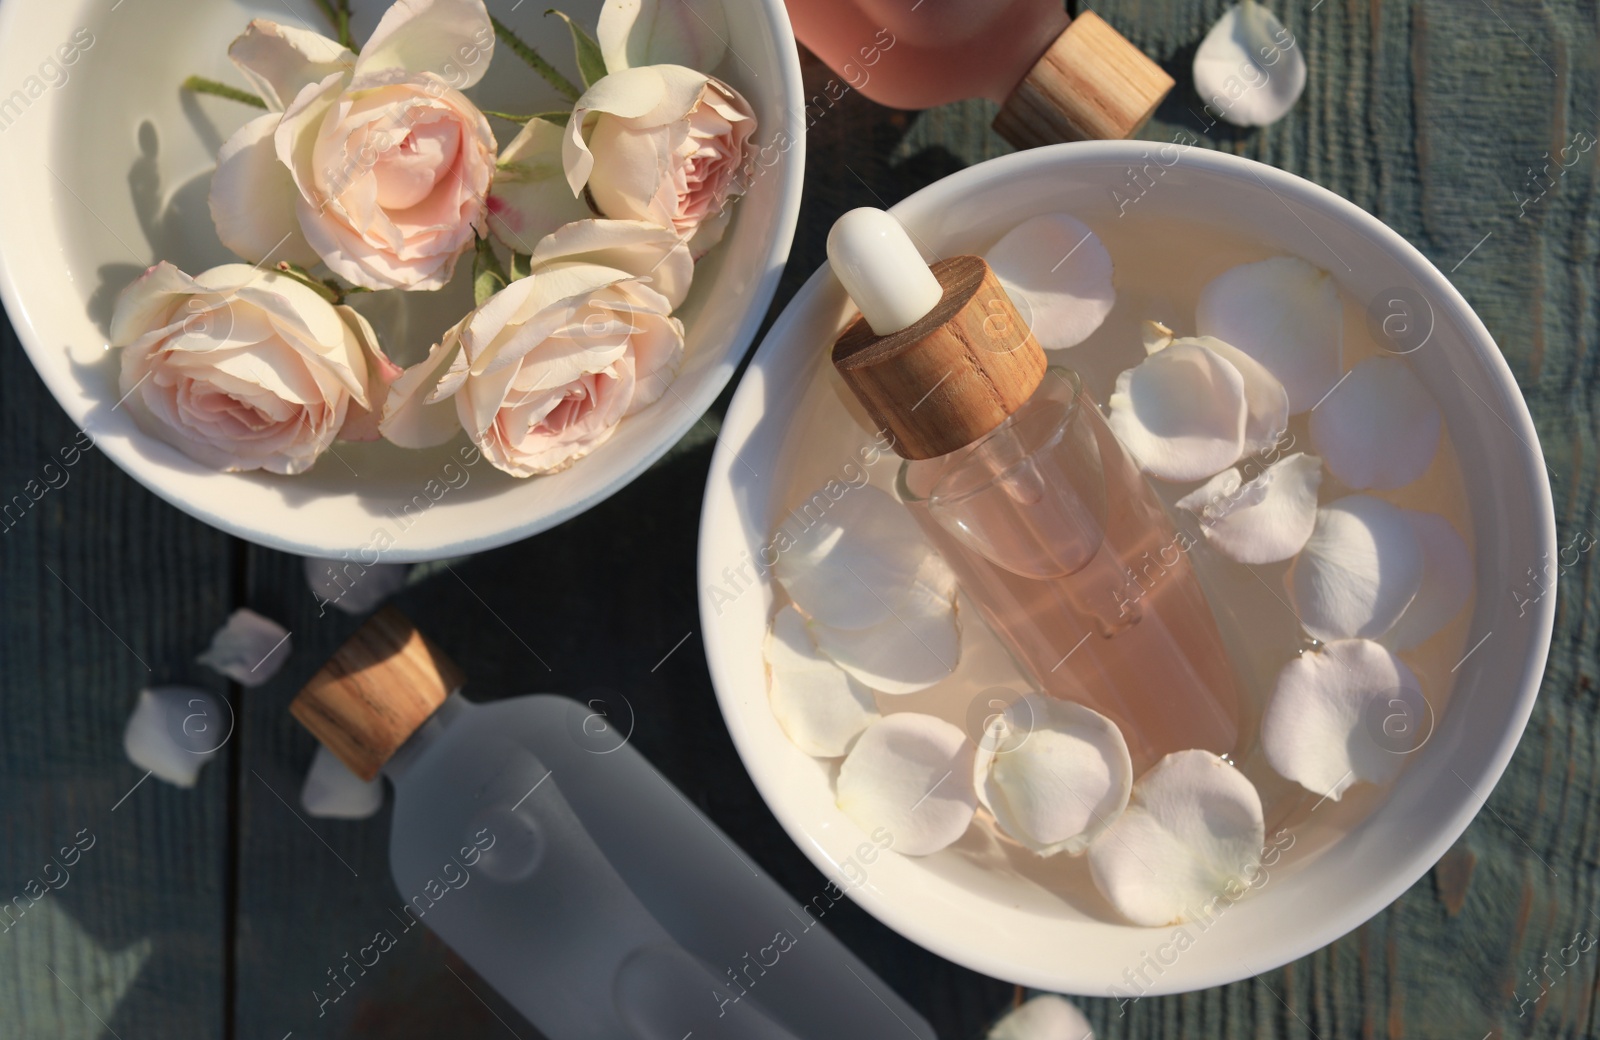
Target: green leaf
[591, 63]
[201, 85]
[520, 48]
[488, 277]
[521, 265]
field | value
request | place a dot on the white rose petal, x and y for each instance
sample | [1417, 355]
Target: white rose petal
[1359, 570]
[242, 368]
[910, 774]
[1181, 412]
[1045, 1017]
[1380, 428]
[249, 649]
[174, 730]
[1193, 829]
[387, 163]
[541, 374]
[1267, 520]
[1446, 581]
[820, 707]
[662, 32]
[1284, 313]
[354, 588]
[453, 39]
[856, 558]
[914, 648]
[648, 252]
[253, 201]
[1053, 773]
[1266, 402]
[281, 60]
[1345, 713]
[1248, 69]
[530, 196]
[661, 143]
[1059, 274]
[331, 791]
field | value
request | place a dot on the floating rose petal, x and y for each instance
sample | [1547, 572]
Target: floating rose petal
[916, 646]
[1181, 412]
[910, 774]
[1263, 521]
[174, 730]
[1059, 274]
[1045, 1017]
[249, 649]
[1359, 570]
[354, 588]
[1053, 773]
[821, 707]
[1446, 581]
[1284, 313]
[1346, 713]
[859, 556]
[1379, 428]
[1248, 70]
[1266, 401]
[1191, 836]
[332, 792]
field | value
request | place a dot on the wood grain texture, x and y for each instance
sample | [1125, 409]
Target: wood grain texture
[1427, 113]
[107, 590]
[953, 375]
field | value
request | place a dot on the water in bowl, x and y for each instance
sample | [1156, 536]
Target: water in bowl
[1162, 266]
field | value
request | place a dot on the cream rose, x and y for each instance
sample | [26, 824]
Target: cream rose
[545, 369]
[661, 143]
[246, 369]
[377, 164]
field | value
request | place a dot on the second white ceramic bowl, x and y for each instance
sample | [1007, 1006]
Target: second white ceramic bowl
[106, 170]
[1003, 923]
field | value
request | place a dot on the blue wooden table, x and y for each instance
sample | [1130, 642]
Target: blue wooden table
[218, 911]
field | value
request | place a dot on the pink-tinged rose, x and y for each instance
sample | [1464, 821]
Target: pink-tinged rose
[377, 164]
[246, 369]
[542, 372]
[530, 197]
[661, 143]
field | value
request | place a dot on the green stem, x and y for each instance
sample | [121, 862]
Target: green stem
[326, 288]
[343, 24]
[507, 116]
[551, 75]
[201, 85]
[329, 13]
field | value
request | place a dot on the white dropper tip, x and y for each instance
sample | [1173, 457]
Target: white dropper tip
[875, 260]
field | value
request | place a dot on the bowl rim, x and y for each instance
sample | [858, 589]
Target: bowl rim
[744, 413]
[151, 474]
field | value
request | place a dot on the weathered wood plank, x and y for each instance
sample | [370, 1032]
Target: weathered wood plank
[107, 589]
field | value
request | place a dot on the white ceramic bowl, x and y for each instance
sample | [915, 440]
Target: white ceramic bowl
[107, 170]
[1002, 924]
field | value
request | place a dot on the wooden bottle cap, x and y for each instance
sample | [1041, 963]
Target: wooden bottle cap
[954, 374]
[1092, 84]
[373, 693]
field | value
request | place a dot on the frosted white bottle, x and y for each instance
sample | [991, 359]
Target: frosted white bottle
[535, 841]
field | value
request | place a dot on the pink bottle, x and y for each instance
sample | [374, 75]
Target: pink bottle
[1050, 527]
[1056, 78]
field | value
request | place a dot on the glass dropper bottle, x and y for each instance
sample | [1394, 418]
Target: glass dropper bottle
[1015, 476]
[1056, 78]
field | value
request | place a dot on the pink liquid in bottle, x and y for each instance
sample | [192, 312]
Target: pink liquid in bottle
[906, 54]
[1060, 541]
[1056, 78]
